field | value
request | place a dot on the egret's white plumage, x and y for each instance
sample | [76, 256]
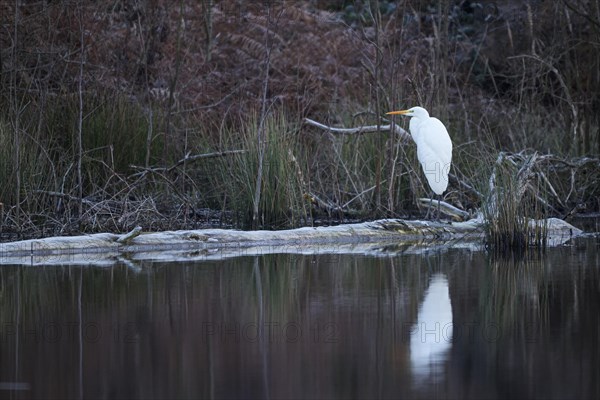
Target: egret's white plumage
[434, 147]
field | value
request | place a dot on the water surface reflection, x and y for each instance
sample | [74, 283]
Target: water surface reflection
[431, 336]
[446, 324]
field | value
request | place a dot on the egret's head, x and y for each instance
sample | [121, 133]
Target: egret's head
[418, 112]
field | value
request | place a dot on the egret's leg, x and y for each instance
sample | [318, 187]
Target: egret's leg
[438, 217]
[430, 205]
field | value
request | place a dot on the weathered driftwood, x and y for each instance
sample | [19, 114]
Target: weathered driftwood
[456, 213]
[128, 237]
[361, 129]
[103, 248]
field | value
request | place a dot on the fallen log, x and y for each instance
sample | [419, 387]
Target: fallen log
[103, 248]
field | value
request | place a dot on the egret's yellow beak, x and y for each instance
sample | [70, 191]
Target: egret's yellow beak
[401, 112]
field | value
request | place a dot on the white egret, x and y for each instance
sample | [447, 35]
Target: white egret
[434, 147]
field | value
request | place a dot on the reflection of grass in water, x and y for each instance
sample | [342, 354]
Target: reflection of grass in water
[33, 294]
[286, 285]
[514, 295]
[278, 288]
[289, 285]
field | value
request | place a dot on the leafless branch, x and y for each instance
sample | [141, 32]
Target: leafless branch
[188, 159]
[361, 129]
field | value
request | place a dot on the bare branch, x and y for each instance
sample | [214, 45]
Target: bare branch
[446, 208]
[361, 129]
[126, 238]
[188, 159]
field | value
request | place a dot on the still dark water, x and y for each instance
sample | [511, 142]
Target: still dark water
[451, 323]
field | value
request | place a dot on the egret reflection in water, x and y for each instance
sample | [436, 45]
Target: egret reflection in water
[431, 337]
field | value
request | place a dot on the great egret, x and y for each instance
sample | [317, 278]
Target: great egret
[434, 147]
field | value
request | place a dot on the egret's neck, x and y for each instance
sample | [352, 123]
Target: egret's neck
[413, 126]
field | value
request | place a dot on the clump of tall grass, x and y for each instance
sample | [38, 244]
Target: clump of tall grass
[514, 220]
[35, 169]
[281, 202]
[115, 135]
[115, 130]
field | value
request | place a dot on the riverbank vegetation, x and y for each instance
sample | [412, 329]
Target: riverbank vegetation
[183, 114]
